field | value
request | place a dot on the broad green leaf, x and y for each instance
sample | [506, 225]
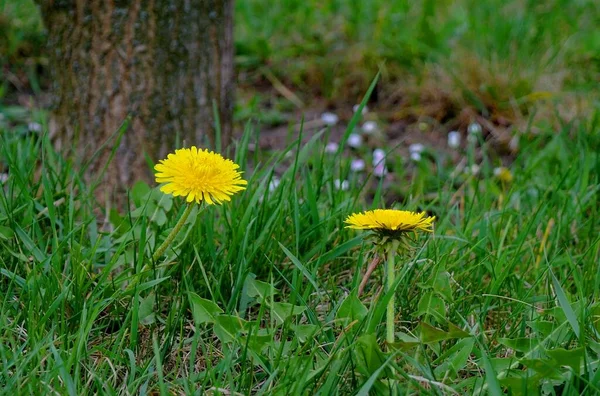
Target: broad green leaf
[304, 331]
[520, 344]
[139, 192]
[368, 354]
[456, 332]
[146, 309]
[282, 311]
[6, 233]
[405, 341]
[456, 358]
[557, 313]
[119, 222]
[228, 328]
[542, 327]
[351, 309]
[147, 209]
[521, 384]
[159, 217]
[137, 212]
[546, 368]
[502, 364]
[431, 304]
[571, 358]
[165, 201]
[430, 334]
[257, 342]
[203, 310]
[256, 288]
[441, 285]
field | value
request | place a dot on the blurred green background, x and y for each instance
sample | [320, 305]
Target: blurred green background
[499, 58]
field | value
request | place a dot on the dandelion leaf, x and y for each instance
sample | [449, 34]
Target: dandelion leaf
[203, 310]
[351, 309]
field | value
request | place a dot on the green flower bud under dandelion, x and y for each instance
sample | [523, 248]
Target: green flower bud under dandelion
[391, 231]
[199, 176]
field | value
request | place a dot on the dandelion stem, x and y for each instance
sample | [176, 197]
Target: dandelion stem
[391, 279]
[159, 252]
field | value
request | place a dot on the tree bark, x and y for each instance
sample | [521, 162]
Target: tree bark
[164, 63]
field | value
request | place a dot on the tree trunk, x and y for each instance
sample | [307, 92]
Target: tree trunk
[164, 63]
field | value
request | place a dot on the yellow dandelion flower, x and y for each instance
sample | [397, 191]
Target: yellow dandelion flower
[199, 175]
[390, 227]
[390, 222]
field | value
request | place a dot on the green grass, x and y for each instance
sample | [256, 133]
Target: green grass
[261, 295]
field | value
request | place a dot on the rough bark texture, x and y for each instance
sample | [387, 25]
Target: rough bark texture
[162, 62]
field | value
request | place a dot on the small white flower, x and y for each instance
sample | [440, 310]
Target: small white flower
[416, 148]
[497, 171]
[330, 118]
[274, 183]
[365, 109]
[369, 127]
[355, 140]
[3, 177]
[454, 139]
[34, 127]
[357, 165]
[415, 156]
[332, 147]
[380, 170]
[474, 128]
[378, 156]
[379, 153]
[343, 185]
